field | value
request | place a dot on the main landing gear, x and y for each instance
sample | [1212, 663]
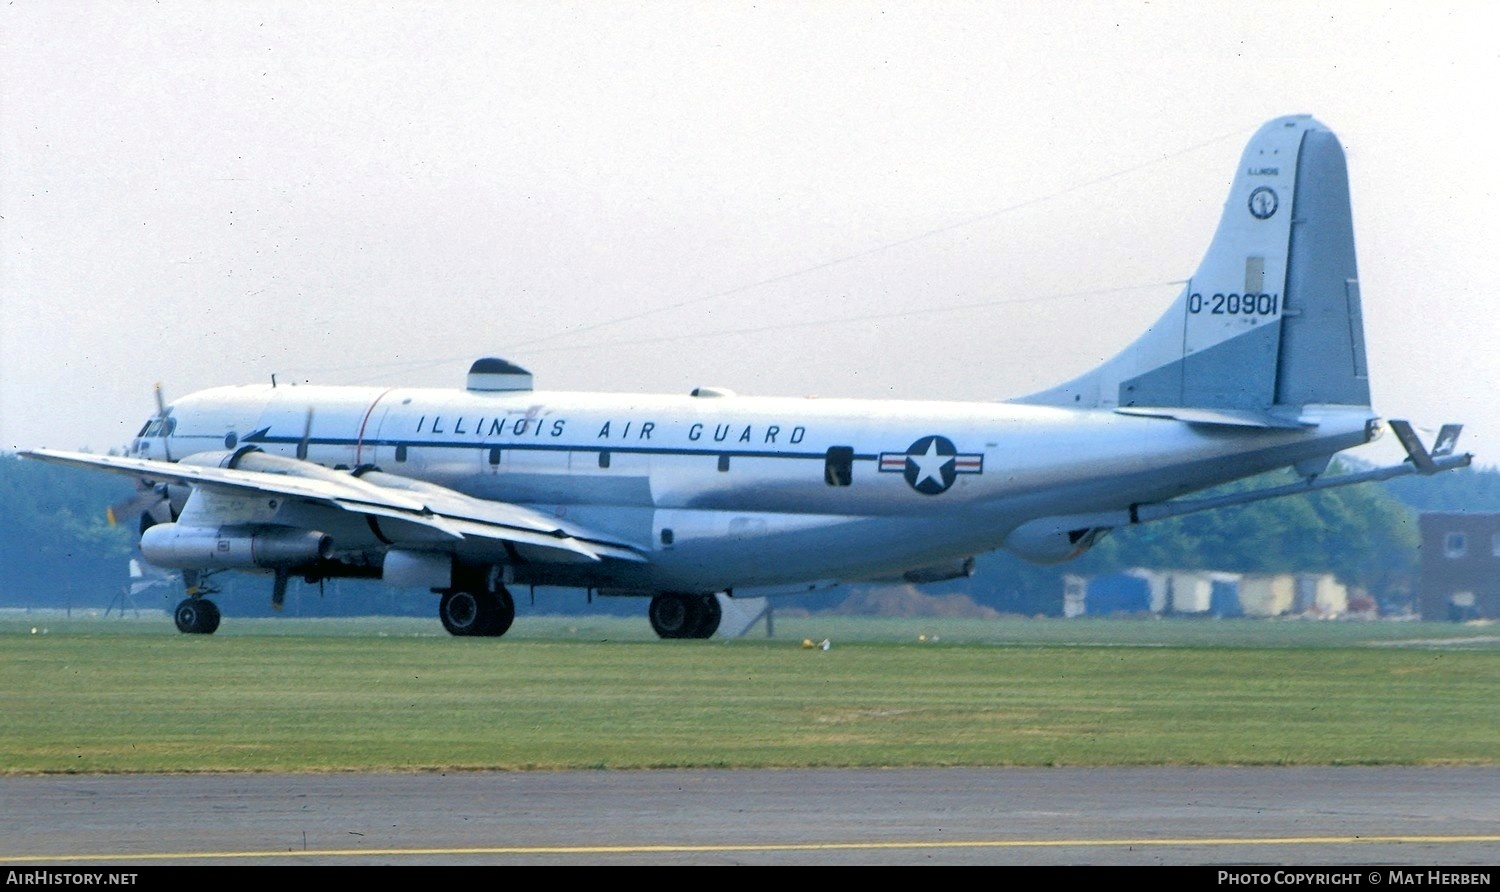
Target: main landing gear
[477, 612]
[685, 616]
[197, 616]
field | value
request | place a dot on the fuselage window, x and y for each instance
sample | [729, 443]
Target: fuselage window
[723, 462]
[603, 459]
[838, 467]
[401, 452]
[494, 456]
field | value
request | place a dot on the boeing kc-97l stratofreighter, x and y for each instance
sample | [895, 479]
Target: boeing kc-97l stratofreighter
[702, 500]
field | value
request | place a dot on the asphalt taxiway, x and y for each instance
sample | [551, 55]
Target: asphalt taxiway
[1446, 816]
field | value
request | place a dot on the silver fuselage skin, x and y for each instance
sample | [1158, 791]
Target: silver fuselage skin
[738, 493]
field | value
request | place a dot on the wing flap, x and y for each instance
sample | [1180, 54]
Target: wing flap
[450, 513]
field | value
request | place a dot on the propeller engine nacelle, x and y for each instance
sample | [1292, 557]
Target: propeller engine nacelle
[251, 458]
[234, 547]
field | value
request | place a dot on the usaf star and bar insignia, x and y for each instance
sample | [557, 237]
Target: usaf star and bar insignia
[931, 464]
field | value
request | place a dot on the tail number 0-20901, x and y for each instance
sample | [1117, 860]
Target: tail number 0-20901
[1234, 304]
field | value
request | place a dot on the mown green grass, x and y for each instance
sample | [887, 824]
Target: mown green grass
[96, 696]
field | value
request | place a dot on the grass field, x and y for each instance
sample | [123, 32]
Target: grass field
[95, 695]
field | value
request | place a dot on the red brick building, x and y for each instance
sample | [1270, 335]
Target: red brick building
[1460, 577]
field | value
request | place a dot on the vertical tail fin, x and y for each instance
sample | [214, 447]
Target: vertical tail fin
[1272, 316]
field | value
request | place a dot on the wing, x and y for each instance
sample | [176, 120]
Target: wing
[434, 509]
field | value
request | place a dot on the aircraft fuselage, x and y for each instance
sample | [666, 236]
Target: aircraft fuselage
[735, 492]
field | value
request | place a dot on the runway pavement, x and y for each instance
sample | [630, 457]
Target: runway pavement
[1358, 816]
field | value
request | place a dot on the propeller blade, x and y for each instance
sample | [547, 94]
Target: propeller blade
[143, 502]
[162, 427]
[306, 434]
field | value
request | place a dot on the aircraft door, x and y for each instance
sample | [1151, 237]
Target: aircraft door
[377, 439]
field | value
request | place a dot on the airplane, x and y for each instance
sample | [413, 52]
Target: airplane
[705, 500]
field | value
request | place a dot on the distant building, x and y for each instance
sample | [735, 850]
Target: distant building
[1189, 593]
[1460, 577]
[1075, 594]
[1294, 594]
[1319, 594]
[1134, 592]
[1224, 595]
[1203, 593]
[1267, 594]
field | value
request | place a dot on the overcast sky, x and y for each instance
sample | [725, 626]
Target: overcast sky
[908, 200]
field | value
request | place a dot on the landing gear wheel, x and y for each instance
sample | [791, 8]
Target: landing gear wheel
[671, 616]
[708, 617]
[477, 612]
[197, 616]
[466, 613]
[685, 616]
[504, 614]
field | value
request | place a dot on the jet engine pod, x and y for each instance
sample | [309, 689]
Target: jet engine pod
[1053, 540]
[233, 547]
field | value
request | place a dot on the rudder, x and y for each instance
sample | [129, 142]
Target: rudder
[1322, 356]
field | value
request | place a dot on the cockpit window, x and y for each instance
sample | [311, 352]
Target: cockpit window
[142, 431]
[159, 427]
